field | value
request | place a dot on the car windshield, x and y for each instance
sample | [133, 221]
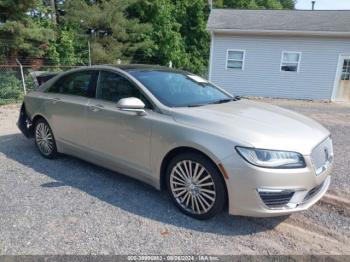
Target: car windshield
[177, 89]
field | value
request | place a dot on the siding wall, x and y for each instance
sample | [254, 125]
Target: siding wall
[262, 76]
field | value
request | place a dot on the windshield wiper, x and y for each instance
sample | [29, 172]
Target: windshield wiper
[196, 105]
[226, 100]
[221, 101]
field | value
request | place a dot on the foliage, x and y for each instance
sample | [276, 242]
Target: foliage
[178, 31]
[138, 31]
[156, 31]
[165, 33]
[255, 4]
[68, 48]
[288, 4]
[29, 82]
[25, 29]
[193, 15]
[113, 36]
[10, 87]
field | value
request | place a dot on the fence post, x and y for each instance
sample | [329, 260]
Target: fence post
[22, 76]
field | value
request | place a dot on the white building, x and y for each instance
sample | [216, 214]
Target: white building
[281, 53]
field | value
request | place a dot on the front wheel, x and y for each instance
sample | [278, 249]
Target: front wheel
[195, 185]
[44, 139]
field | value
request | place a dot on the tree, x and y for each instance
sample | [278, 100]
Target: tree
[178, 31]
[165, 35]
[147, 31]
[25, 29]
[288, 4]
[269, 4]
[192, 15]
[112, 35]
[255, 4]
[247, 4]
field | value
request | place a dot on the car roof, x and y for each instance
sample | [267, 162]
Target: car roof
[144, 67]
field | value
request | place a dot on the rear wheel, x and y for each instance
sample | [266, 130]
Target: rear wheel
[44, 139]
[195, 185]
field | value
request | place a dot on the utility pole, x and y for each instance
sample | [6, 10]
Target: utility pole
[90, 32]
[313, 5]
[53, 14]
[89, 46]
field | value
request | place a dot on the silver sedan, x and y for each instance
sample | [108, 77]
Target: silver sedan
[176, 131]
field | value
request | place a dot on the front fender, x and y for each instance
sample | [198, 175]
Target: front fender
[167, 136]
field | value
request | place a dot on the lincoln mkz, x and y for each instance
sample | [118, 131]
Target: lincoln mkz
[176, 131]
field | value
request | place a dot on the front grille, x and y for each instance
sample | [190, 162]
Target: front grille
[313, 192]
[322, 155]
[276, 199]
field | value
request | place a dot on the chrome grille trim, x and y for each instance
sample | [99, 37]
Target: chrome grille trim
[276, 198]
[283, 199]
[322, 156]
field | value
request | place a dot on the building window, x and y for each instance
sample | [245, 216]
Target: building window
[290, 61]
[235, 59]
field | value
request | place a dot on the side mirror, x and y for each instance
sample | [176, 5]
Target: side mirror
[132, 104]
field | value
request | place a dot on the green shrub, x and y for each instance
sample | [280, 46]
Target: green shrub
[30, 85]
[10, 88]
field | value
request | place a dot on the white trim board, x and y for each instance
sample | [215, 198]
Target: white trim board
[338, 74]
[279, 32]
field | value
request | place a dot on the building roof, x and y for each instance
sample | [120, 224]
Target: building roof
[280, 21]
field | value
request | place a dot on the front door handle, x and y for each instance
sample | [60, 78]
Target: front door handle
[55, 100]
[96, 108]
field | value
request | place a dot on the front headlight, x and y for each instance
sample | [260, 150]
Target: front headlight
[271, 158]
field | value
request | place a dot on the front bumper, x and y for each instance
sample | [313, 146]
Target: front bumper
[252, 189]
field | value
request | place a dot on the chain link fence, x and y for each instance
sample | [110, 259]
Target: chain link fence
[16, 80]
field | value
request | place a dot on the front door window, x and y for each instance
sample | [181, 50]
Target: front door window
[113, 87]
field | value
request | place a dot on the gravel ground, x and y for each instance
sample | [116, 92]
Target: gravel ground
[68, 206]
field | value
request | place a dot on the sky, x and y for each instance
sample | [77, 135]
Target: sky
[324, 4]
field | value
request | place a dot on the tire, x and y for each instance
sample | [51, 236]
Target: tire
[195, 185]
[44, 139]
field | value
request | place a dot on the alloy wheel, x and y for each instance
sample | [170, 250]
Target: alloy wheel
[44, 139]
[193, 187]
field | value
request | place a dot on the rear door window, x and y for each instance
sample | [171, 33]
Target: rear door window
[77, 84]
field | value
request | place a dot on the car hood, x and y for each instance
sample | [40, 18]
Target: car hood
[255, 124]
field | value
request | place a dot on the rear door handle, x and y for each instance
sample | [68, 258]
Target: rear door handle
[96, 108]
[55, 100]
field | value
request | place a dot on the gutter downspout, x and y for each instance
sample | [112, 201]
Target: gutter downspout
[211, 56]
